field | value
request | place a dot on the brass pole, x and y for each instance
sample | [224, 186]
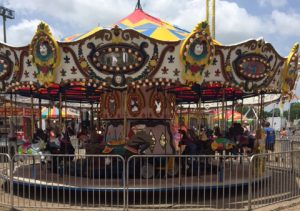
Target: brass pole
[207, 11]
[5, 115]
[200, 114]
[261, 108]
[98, 116]
[188, 117]
[40, 112]
[16, 111]
[80, 116]
[11, 108]
[218, 114]
[242, 110]
[60, 110]
[125, 115]
[66, 110]
[92, 117]
[232, 112]
[214, 19]
[11, 125]
[32, 116]
[223, 110]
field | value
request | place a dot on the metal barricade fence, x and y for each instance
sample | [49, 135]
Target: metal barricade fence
[3, 146]
[187, 182]
[274, 178]
[5, 197]
[66, 181]
[214, 182]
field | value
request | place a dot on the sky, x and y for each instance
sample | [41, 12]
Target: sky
[277, 21]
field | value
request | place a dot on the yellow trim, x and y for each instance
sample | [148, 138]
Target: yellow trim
[201, 31]
[285, 88]
[43, 33]
[94, 30]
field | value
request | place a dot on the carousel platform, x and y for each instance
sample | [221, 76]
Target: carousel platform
[37, 176]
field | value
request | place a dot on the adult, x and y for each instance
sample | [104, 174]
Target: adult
[283, 133]
[138, 139]
[188, 142]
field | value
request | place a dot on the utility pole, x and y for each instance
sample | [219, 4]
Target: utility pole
[6, 13]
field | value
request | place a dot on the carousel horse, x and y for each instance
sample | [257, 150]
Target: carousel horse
[223, 144]
[138, 142]
[37, 147]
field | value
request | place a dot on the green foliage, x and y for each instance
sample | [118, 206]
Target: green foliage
[294, 112]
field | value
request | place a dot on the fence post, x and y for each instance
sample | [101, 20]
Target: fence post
[292, 155]
[125, 176]
[250, 183]
[11, 176]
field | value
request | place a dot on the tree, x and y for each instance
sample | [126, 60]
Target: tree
[294, 112]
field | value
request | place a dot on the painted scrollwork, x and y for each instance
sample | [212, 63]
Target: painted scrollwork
[112, 103]
[252, 67]
[197, 52]
[172, 104]
[5, 66]
[135, 103]
[157, 103]
[289, 74]
[117, 58]
[45, 54]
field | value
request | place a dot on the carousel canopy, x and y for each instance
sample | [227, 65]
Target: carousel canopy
[154, 58]
[152, 27]
[76, 37]
[145, 24]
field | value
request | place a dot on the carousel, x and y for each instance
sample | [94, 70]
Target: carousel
[135, 75]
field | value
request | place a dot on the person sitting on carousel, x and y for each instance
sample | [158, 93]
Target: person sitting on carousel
[204, 140]
[188, 142]
[138, 140]
[217, 132]
[95, 143]
[82, 137]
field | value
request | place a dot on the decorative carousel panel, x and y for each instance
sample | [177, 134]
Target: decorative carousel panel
[5, 67]
[290, 72]
[116, 58]
[112, 103]
[197, 52]
[157, 103]
[45, 54]
[250, 66]
[122, 57]
[172, 106]
[135, 103]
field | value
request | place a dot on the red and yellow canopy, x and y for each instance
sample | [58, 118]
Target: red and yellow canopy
[152, 27]
[143, 23]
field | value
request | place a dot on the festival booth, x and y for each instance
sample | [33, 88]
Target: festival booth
[136, 72]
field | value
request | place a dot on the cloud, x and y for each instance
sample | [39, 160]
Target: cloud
[273, 3]
[21, 34]
[81, 14]
[233, 23]
[286, 23]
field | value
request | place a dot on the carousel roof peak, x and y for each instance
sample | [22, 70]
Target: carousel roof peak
[152, 26]
[138, 5]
